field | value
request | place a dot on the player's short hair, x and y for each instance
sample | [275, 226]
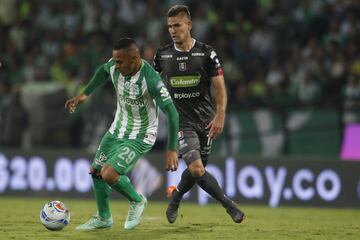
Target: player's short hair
[177, 9]
[124, 43]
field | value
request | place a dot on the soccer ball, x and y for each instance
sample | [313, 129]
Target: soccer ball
[54, 215]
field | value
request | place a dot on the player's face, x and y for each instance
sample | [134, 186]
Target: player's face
[125, 63]
[179, 28]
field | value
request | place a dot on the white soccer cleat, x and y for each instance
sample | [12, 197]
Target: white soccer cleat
[96, 222]
[135, 212]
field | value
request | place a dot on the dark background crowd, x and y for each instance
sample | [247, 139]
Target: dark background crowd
[275, 53]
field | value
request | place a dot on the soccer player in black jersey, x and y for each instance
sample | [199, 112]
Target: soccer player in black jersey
[188, 68]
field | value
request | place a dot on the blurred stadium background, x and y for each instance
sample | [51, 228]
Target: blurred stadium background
[292, 69]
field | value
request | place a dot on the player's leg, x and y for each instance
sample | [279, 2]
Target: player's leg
[187, 181]
[101, 190]
[208, 183]
[196, 150]
[114, 172]
[176, 193]
[102, 194]
[197, 168]
[188, 140]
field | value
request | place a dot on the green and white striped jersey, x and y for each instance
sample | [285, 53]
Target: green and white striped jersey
[138, 100]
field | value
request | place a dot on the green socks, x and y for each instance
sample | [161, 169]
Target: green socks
[124, 186]
[102, 195]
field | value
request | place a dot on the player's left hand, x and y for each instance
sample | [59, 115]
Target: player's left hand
[216, 126]
[171, 160]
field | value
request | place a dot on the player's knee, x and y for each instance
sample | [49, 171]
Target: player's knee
[204, 160]
[109, 175]
[95, 173]
[197, 169]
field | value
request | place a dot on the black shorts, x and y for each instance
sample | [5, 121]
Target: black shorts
[194, 144]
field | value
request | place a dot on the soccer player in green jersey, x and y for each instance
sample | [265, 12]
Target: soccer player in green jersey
[140, 92]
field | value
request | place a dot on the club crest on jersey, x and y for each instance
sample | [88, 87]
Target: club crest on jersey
[101, 160]
[182, 66]
[132, 88]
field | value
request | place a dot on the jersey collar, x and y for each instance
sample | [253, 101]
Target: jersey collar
[192, 45]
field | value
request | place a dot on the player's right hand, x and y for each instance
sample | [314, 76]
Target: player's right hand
[72, 103]
[171, 160]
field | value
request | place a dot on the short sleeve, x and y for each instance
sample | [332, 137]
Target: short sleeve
[108, 65]
[157, 88]
[156, 63]
[215, 68]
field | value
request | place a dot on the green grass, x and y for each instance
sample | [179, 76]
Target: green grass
[19, 219]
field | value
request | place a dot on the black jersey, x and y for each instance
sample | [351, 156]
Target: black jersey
[187, 76]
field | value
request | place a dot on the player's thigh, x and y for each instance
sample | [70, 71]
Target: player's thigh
[105, 151]
[128, 153]
[205, 146]
[189, 146]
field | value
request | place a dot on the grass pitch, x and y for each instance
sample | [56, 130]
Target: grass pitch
[19, 219]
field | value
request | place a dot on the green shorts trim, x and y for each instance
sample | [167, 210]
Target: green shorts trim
[121, 154]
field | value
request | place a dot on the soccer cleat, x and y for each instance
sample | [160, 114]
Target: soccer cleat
[95, 222]
[235, 213]
[136, 209]
[169, 191]
[172, 210]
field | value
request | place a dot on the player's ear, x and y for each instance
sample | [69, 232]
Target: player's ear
[190, 25]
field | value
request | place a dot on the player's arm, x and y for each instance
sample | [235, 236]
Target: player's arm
[97, 80]
[172, 118]
[217, 124]
[163, 100]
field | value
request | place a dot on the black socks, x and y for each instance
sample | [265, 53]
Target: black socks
[186, 183]
[209, 184]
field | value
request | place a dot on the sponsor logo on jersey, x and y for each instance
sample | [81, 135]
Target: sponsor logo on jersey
[165, 94]
[166, 56]
[186, 95]
[220, 72]
[213, 54]
[131, 101]
[182, 58]
[185, 81]
[196, 54]
[182, 66]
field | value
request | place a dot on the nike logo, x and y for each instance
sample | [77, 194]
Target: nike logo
[120, 165]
